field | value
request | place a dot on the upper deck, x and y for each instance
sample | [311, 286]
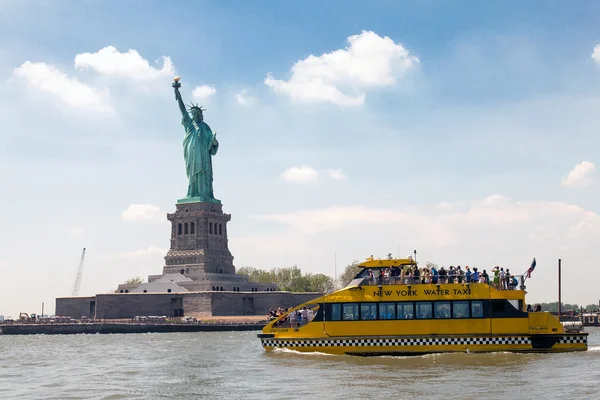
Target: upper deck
[405, 271]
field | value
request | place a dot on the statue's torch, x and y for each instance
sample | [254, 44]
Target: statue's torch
[176, 85]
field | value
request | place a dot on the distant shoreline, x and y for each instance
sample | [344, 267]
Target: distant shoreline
[119, 327]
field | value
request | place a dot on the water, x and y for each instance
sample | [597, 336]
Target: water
[233, 365]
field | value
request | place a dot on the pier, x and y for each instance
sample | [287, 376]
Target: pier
[130, 326]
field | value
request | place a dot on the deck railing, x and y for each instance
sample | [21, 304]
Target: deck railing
[508, 284]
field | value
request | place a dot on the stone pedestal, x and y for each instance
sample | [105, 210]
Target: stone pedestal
[199, 244]
[199, 258]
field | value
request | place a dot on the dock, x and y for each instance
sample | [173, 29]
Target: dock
[108, 327]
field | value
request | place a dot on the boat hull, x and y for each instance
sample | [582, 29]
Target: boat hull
[419, 345]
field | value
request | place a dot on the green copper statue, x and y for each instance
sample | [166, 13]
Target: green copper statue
[199, 145]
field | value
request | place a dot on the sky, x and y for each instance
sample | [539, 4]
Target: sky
[465, 130]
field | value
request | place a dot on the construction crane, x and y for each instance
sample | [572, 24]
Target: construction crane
[77, 284]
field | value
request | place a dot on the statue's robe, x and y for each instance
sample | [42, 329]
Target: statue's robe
[199, 145]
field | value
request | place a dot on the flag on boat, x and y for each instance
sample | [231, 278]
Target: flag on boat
[531, 268]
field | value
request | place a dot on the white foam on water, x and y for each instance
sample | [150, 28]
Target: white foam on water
[594, 348]
[304, 353]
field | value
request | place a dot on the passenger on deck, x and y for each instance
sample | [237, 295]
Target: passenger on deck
[370, 275]
[475, 276]
[496, 271]
[502, 279]
[443, 275]
[293, 319]
[451, 274]
[467, 274]
[416, 275]
[409, 277]
[529, 308]
[459, 274]
[485, 278]
[395, 273]
[426, 276]
[304, 314]
[434, 275]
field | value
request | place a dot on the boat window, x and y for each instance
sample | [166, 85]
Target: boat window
[424, 309]
[350, 312]
[336, 312]
[406, 310]
[477, 309]
[387, 310]
[460, 309]
[498, 306]
[368, 311]
[442, 309]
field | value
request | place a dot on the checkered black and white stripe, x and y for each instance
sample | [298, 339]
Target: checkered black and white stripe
[574, 339]
[438, 341]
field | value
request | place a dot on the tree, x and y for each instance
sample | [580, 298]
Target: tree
[257, 275]
[349, 273]
[553, 307]
[290, 279]
[320, 283]
[430, 265]
[134, 281]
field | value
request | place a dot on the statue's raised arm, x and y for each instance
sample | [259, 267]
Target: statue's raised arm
[176, 85]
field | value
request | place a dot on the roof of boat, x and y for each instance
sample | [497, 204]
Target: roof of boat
[377, 263]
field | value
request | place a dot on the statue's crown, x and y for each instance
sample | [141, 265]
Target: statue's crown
[196, 107]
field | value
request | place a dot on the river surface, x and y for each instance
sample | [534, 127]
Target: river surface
[233, 365]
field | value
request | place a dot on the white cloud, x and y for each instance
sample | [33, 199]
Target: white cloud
[301, 174]
[342, 76]
[494, 231]
[245, 99]
[336, 174]
[580, 175]
[143, 213]
[76, 231]
[596, 53]
[439, 224]
[70, 91]
[131, 65]
[203, 92]
[307, 174]
[151, 251]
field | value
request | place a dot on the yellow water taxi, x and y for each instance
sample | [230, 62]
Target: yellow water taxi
[386, 312]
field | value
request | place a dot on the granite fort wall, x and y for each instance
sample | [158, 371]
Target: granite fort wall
[195, 304]
[130, 305]
[198, 304]
[75, 307]
[253, 303]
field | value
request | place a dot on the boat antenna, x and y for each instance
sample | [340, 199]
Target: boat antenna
[559, 287]
[335, 268]
[415, 253]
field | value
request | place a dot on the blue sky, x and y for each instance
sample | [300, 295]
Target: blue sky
[467, 130]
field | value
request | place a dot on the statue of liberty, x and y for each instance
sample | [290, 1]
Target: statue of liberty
[199, 145]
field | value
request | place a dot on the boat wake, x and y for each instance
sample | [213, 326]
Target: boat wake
[278, 350]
